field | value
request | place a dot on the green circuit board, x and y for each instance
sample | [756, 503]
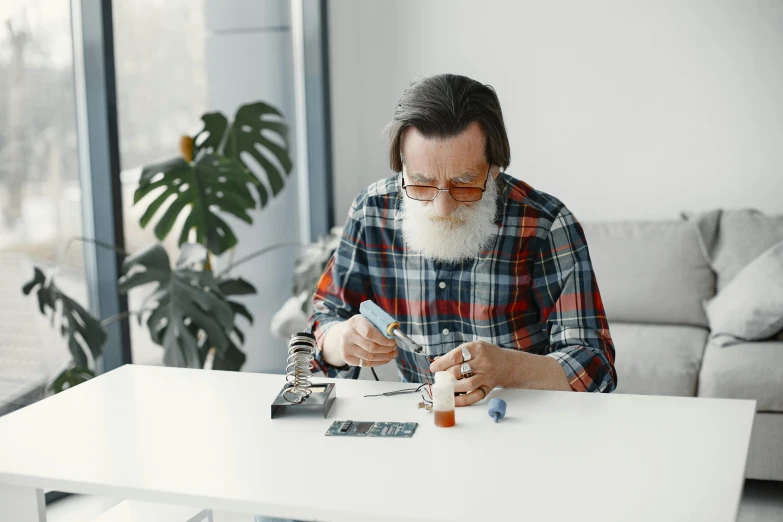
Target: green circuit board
[371, 429]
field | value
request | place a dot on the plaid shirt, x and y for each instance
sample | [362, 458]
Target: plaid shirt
[534, 290]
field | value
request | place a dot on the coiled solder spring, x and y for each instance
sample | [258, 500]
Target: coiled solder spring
[301, 352]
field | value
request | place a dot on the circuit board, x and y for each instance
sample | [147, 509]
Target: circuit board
[371, 429]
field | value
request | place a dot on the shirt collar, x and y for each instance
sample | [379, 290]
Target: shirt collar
[503, 187]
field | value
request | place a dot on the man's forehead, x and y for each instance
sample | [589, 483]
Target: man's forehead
[430, 168]
[452, 158]
[467, 148]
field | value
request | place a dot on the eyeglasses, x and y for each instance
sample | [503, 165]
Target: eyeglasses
[428, 193]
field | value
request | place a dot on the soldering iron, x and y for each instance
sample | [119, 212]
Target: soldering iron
[387, 324]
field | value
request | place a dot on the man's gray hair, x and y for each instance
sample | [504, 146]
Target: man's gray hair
[443, 106]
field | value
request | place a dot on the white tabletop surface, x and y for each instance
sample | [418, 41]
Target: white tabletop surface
[206, 439]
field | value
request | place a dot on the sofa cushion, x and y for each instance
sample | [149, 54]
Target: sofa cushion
[650, 272]
[750, 308]
[730, 239]
[744, 371]
[657, 359]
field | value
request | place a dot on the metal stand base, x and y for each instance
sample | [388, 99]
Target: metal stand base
[321, 399]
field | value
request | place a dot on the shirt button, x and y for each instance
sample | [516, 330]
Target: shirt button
[442, 284]
[445, 331]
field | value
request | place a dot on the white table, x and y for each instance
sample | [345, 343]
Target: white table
[206, 439]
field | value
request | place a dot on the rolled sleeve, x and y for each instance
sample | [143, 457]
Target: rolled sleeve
[569, 301]
[319, 325]
[584, 369]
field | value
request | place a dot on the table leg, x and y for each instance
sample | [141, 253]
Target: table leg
[22, 504]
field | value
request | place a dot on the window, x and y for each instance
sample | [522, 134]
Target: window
[40, 194]
[161, 93]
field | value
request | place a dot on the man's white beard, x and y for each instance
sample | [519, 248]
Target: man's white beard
[465, 233]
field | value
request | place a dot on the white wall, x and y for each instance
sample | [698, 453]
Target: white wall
[621, 109]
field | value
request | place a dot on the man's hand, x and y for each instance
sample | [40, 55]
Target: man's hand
[489, 365]
[358, 343]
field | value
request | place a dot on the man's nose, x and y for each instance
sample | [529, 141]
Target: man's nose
[445, 204]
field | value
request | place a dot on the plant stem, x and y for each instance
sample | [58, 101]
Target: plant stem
[209, 362]
[82, 239]
[257, 254]
[116, 317]
[122, 315]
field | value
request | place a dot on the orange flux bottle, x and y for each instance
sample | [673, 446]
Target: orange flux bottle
[443, 400]
[444, 419]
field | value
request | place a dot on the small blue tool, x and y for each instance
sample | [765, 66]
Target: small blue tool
[388, 326]
[497, 409]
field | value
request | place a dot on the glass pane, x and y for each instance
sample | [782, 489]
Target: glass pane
[40, 195]
[161, 93]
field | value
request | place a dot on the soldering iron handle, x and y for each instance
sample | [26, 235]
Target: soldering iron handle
[379, 318]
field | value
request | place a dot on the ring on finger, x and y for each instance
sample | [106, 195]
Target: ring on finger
[361, 363]
[466, 356]
[466, 370]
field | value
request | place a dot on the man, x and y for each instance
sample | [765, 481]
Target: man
[476, 265]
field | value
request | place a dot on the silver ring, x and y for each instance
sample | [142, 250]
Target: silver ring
[361, 363]
[466, 356]
[466, 370]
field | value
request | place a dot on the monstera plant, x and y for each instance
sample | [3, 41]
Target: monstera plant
[189, 312]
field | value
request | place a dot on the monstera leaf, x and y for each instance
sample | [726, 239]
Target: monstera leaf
[210, 138]
[250, 134]
[184, 302]
[84, 332]
[216, 177]
[202, 189]
[231, 358]
[229, 287]
[68, 378]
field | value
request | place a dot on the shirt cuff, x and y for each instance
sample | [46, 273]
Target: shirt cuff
[573, 359]
[319, 327]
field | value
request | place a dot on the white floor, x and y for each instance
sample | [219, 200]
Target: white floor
[761, 502]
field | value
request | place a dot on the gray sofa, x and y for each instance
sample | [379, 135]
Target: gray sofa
[654, 277]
